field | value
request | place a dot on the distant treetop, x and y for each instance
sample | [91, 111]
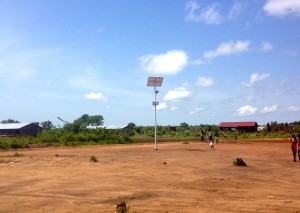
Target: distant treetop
[9, 121]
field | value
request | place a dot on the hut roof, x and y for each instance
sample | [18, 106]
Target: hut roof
[13, 125]
[238, 124]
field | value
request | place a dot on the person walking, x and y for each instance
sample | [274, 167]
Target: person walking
[210, 137]
[298, 145]
[211, 143]
[293, 142]
[201, 135]
[217, 136]
[225, 135]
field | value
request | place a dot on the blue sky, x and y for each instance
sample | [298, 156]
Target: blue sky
[233, 61]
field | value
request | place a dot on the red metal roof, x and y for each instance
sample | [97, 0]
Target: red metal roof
[237, 124]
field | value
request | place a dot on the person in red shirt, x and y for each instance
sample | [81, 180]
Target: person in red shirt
[298, 145]
[294, 146]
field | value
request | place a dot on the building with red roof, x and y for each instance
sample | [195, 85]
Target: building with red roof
[250, 126]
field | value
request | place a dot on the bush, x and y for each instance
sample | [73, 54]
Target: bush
[82, 137]
[17, 155]
[186, 142]
[239, 162]
[67, 137]
[122, 208]
[15, 143]
[3, 144]
[50, 136]
[93, 158]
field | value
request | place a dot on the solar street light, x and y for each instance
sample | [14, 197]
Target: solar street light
[155, 82]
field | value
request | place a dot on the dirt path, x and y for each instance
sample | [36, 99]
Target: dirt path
[176, 178]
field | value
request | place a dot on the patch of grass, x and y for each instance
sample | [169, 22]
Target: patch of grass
[186, 142]
[93, 158]
[17, 155]
[122, 208]
[239, 162]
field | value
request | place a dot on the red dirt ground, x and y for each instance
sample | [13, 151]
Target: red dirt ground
[177, 177]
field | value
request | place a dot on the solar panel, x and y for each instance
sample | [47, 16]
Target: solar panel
[155, 81]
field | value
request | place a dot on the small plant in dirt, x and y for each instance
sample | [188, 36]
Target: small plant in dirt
[186, 142]
[93, 158]
[239, 162]
[122, 208]
[17, 155]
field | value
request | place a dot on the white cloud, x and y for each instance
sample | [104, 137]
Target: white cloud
[191, 9]
[245, 110]
[177, 94]
[208, 15]
[266, 46]
[235, 10]
[169, 63]
[293, 109]
[95, 96]
[269, 109]
[211, 15]
[228, 48]
[281, 8]
[205, 82]
[256, 77]
[197, 62]
[195, 110]
[173, 108]
[162, 106]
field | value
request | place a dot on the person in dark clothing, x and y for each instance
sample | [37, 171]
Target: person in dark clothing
[293, 142]
[217, 136]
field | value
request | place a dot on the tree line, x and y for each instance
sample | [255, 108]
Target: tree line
[78, 133]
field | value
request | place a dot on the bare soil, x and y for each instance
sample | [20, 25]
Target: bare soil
[177, 177]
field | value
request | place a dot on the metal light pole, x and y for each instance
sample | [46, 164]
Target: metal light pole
[155, 103]
[155, 82]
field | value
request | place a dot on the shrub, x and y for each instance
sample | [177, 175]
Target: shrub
[239, 162]
[67, 137]
[93, 158]
[186, 142]
[18, 143]
[4, 144]
[17, 155]
[50, 136]
[122, 208]
[82, 137]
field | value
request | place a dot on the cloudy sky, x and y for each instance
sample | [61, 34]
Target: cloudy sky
[233, 61]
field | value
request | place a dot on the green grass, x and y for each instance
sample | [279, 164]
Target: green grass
[186, 142]
[122, 208]
[93, 158]
[18, 155]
